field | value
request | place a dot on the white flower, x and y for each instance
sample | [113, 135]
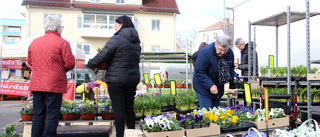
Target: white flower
[157, 119]
[162, 125]
[150, 123]
[249, 115]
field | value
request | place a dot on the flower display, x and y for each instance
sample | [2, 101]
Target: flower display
[91, 85]
[245, 113]
[192, 119]
[88, 108]
[160, 123]
[304, 130]
[259, 115]
[82, 88]
[237, 79]
[105, 108]
[10, 131]
[222, 117]
[25, 111]
[69, 107]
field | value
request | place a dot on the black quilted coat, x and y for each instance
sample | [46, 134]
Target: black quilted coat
[122, 52]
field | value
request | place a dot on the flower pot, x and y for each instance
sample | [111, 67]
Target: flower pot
[149, 86]
[87, 116]
[26, 117]
[179, 86]
[139, 114]
[68, 117]
[166, 86]
[157, 86]
[109, 116]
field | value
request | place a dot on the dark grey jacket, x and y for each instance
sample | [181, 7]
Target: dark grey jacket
[122, 52]
[243, 66]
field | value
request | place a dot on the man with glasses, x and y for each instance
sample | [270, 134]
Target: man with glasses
[214, 68]
[243, 66]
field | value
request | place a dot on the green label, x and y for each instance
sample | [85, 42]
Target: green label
[146, 78]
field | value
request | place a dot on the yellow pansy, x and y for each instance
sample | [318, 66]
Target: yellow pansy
[228, 113]
[224, 122]
[175, 115]
[215, 118]
[211, 115]
[207, 114]
[229, 119]
[88, 101]
[195, 113]
[234, 119]
[223, 117]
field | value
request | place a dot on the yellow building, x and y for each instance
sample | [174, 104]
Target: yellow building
[89, 24]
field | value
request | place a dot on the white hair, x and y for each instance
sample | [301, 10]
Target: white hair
[51, 22]
[224, 40]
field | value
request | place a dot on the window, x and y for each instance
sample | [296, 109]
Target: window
[86, 20]
[155, 25]
[79, 21]
[84, 47]
[120, 1]
[215, 35]
[154, 47]
[14, 29]
[135, 22]
[13, 39]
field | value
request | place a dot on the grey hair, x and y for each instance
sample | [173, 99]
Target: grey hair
[224, 40]
[239, 41]
[51, 22]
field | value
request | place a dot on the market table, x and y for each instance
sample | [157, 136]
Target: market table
[22, 89]
[112, 131]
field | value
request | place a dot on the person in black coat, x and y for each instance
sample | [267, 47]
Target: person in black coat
[122, 52]
[243, 66]
[195, 55]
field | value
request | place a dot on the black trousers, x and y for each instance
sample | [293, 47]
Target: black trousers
[122, 98]
[45, 104]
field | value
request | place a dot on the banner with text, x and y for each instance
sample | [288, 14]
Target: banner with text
[9, 88]
[13, 63]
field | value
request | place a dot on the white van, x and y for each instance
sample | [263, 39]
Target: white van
[175, 71]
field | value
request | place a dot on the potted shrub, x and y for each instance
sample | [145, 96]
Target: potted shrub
[138, 106]
[88, 110]
[69, 113]
[26, 114]
[179, 84]
[10, 131]
[106, 110]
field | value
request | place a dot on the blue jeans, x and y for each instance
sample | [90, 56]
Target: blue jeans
[46, 110]
[207, 102]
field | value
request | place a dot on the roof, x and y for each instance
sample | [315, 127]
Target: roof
[216, 26]
[281, 18]
[168, 6]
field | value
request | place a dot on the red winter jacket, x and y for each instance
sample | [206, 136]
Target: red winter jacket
[50, 57]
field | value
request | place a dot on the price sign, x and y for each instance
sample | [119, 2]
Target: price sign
[157, 78]
[266, 103]
[146, 78]
[173, 87]
[271, 61]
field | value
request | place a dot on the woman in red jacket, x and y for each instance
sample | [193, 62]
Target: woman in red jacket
[50, 57]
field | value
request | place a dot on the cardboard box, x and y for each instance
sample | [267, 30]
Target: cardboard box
[179, 133]
[313, 76]
[273, 123]
[213, 129]
[133, 133]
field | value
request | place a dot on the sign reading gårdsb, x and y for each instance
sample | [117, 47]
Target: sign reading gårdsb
[9, 88]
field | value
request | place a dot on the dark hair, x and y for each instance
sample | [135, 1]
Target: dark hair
[125, 21]
[202, 44]
[24, 64]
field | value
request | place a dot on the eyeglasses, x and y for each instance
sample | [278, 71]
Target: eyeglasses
[221, 49]
[61, 27]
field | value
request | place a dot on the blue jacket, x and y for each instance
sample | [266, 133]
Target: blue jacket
[206, 71]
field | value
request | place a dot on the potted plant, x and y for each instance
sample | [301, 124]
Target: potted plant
[26, 114]
[69, 113]
[106, 110]
[162, 125]
[166, 83]
[88, 110]
[179, 84]
[10, 131]
[138, 106]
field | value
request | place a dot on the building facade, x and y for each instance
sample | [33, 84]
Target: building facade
[11, 28]
[89, 24]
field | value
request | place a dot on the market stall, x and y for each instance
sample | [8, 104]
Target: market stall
[12, 57]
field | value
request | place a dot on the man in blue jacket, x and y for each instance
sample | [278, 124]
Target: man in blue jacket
[214, 68]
